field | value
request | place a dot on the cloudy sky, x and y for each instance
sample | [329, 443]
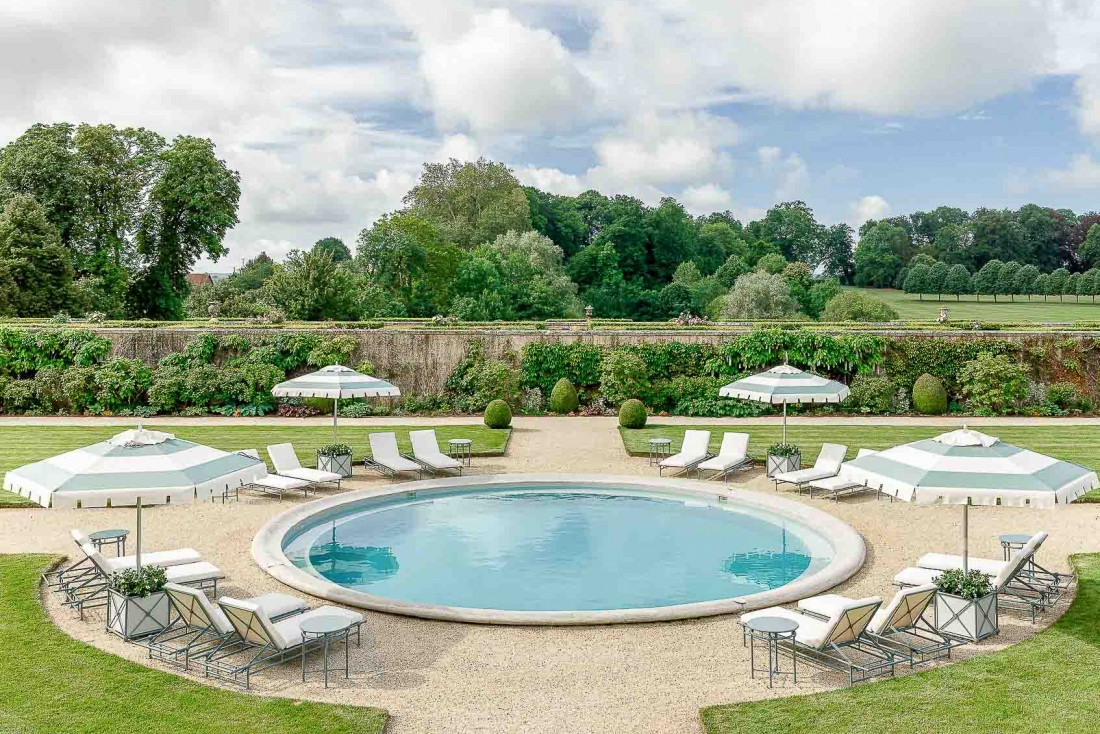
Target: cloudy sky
[328, 108]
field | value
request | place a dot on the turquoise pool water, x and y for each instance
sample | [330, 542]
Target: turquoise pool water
[538, 549]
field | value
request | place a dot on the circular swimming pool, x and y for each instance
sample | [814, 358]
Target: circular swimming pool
[556, 549]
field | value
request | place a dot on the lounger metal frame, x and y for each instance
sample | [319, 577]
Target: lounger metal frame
[426, 467]
[261, 656]
[724, 474]
[371, 463]
[692, 466]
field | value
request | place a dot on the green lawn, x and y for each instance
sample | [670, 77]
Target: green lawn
[24, 444]
[1048, 683]
[912, 308]
[1080, 444]
[51, 683]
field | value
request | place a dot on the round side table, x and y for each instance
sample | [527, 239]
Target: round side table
[659, 449]
[323, 630]
[770, 631]
[461, 450]
[1012, 542]
[115, 537]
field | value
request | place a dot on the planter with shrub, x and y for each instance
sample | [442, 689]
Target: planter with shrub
[498, 414]
[783, 457]
[632, 414]
[137, 604]
[929, 395]
[563, 398]
[966, 605]
[336, 458]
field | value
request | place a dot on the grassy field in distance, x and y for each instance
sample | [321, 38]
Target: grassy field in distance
[912, 308]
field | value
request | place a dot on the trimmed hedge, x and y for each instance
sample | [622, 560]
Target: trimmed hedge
[498, 414]
[632, 414]
[563, 398]
[929, 395]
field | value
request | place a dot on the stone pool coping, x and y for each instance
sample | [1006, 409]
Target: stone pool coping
[849, 552]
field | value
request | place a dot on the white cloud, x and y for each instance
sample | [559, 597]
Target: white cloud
[1087, 87]
[552, 180]
[500, 75]
[706, 199]
[1082, 174]
[868, 207]
[790, 172]
[460, 147]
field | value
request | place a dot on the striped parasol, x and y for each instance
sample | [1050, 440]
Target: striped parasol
[156, 467]
[967, 467]
[783, 385]
[335, 382]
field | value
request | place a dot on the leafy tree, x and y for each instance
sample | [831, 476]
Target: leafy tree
[1026, 278]
[675, 298]
[987, 280]
[1044, 232]
[836, 252]
[191, 206]
[1070, 288]
[1006, 279]
[1043, 285]
[405, 256]
[996, 235]
[311, 286]
[254, 273]
[922, 259]
[335, 246]
[558, 218]
[957, 281]
[687, 274]
[821, 292]
[1057, 282]
[1089, 284]
[951, 244]
[927, 226]
[791, 226]
[993, 383]
[671, 240]
[856, 305]
[876, 261]
[470, 203]
[772, 263]
[917, 281]
[32, 260]
[1089, 251]
[937, 278]
[42, 163]
[732, 269]
[760, 295]
[626, 230]
[716, 242]
[904, 247]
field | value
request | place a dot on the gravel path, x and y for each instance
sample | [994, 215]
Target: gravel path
[653, 678]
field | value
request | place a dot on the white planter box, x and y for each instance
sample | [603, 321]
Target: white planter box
[341, 465]
[966, 619]
[781, 464]
[137, 616]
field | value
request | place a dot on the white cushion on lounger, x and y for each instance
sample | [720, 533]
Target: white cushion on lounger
[192, 572]
[916, 576]
[426, 448]
[291, 630]
[312, 475]
[828, 464]
[274, 605]
[810, 631]
[383, 449]
[286, 463]
[944, 562]
[177, 557]
[804, 475]
[694, 448]
[829, 604]
[732, 452]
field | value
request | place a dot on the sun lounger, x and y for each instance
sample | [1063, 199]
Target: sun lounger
[900, 626]
[837, 642]
[385, 457]
[426, 453]
[827, 465]
[732, 455]
[838, 486]
[199, 625]
[1013, 587]
[694, 450]
[176, 557]
[276, 484]
[286, 463]
[262, 642]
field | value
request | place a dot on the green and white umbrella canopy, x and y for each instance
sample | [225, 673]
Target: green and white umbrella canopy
[156, 467]
[335, 382]
[967, 467]
[783, 385]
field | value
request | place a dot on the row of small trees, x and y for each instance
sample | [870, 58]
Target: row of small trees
[998, 278]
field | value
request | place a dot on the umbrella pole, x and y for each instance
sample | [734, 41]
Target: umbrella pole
[138, 534]
[784, 423]
[335, 410]
[966, 537]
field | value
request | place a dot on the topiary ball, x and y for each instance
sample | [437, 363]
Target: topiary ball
[632, 414]
[498, 414]
[563, 398]
[929, 395]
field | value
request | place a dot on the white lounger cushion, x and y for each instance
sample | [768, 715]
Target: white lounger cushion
[286, 463]
[199, 611]
[945, 562]
[913, 576]
[897, 614]
[837, 629]
[733, 452]
[290, 630]
[190, 572]
[695, 447]
[383, 449]
[833, 483]
[827, 465]
[426, 448]
[277, 482]
[175, 557]
[810, 632]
